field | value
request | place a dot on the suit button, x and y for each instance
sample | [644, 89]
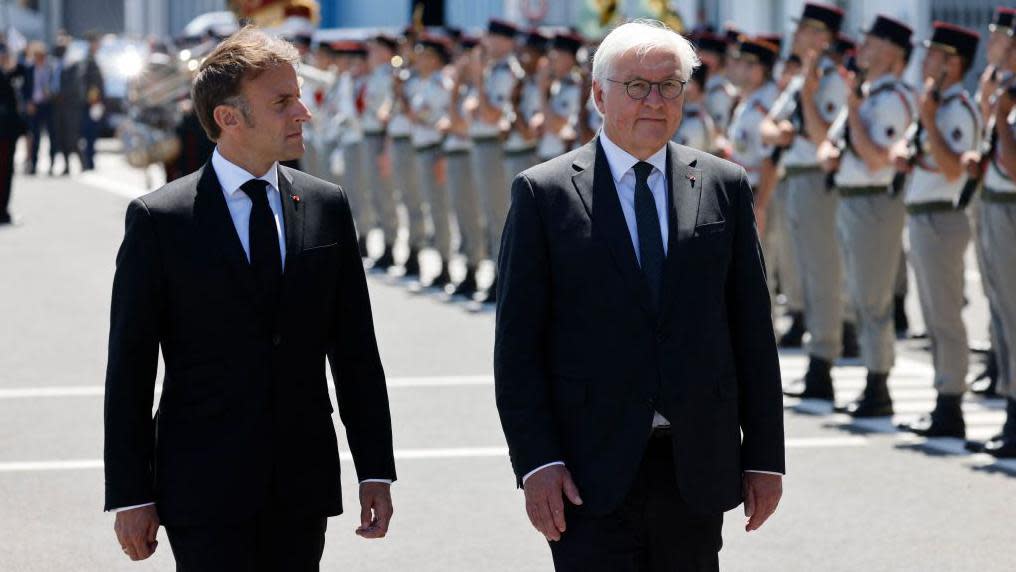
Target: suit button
[276, 340]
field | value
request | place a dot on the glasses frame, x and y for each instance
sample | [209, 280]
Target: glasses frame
[657, 84]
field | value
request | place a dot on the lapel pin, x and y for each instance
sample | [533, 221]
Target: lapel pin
[692, 179]
[296, 198]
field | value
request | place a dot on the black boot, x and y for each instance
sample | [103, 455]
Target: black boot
[850, 348]
[794, 336]
[874, 401]
[945, 421]
[468, 285]
[386, 260]
[412, 263]
[986, 382]
[442, 278]
[817, 382]
[1004, 447]
[900, 321]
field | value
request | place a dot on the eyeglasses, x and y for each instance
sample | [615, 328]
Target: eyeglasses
[640, 89]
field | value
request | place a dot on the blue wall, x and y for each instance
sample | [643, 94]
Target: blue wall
[395, 13]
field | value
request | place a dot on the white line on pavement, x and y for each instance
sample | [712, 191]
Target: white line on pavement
[407, 454]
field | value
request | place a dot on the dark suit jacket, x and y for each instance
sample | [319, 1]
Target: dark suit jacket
[582, 360]
[244, 414]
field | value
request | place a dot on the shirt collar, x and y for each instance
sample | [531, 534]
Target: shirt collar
[621, 161]
[884, 79]
[232, 176]
[955, 89]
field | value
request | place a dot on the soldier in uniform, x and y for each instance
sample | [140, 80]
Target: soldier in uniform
[462, 184]
[563, 98]
[751, 70]
[428, 106]
[697, 128]
[403, 158]
[590, 119]
[491, 106]
[997, 233]
[947, 126]
[352, 103]
[527, 100]
[797, 123]
[720, 93]
[377, 97]
[870, 218]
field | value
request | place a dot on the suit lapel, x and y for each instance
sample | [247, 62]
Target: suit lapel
[685, 183]
[595, 186]
[292, 216]
[213, 217]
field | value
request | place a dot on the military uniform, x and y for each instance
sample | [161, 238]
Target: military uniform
[720, 100]
[564, 101]
[870, 219]
[697, 129]
[377, 95]
[404, 178]
[429, 104]
[519, 151]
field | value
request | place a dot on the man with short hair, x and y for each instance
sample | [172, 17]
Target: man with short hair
[636, 377]
[246, 275]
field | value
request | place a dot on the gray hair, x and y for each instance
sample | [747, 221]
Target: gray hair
[643, 36]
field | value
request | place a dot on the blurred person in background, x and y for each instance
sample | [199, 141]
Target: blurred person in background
[95, 94]
[37, 93]
[12, 127]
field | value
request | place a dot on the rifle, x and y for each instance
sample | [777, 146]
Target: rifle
[914, 140]
[988, 148]
[842, 143]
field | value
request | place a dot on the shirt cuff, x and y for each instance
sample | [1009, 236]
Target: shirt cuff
[763, 472]
[385, 481]
[541, 467]
[123, 508]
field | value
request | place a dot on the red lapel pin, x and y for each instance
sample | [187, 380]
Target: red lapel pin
[692, 179]
[296, 198]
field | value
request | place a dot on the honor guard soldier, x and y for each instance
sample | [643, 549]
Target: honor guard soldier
[491, 108]
[563, 98]
[870, 218]
[590, 119]
[720, 93]
[994, 76]
[526, 101]
[463, 186]
[697, 129]
[948, 125]
[403, 158]
[797, 124]
[378, 97]
[428, 107]
[997, 234]
[352, 104]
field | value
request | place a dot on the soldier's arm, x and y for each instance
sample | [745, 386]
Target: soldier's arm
[1006, 137]
[948, 161]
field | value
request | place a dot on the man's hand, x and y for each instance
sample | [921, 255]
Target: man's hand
[375, 510]
[971, 161]
[829, 156]
[762, 493]
[899, 154]
[136, 529]
[928, 103]
[544, 503]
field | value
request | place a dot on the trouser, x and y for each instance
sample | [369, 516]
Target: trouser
[993, 317]
[871, 228]
[781, 266]
[37, 123]
[654, 529]
[812, 218]
[272, 541]
[435, 193]
[7, 146]
[465, 196]
[406, 180]
[997, 235]
[355, 182]
[938, 241]
[90, 132]
[488, 159]
[379, 185]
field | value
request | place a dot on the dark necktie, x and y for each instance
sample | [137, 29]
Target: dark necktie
[647, 221]
[265, 258]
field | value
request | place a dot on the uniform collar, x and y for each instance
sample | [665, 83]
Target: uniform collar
[621, 161]
[232, 176]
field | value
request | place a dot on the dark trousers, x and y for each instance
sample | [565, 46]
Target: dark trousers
[272, 541]
[6, 176]
[90, 132]
[653, 529]
[38, 122]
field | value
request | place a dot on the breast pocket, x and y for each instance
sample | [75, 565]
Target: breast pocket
[710, 228]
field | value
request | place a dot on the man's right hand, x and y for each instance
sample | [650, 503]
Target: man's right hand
[545, 490]
[136, 530]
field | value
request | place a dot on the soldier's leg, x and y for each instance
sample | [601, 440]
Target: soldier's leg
[404, 163]
[998, 222]
[437, 198]
[465, 196]
[381, 187]
[355, 185]
[489, 160]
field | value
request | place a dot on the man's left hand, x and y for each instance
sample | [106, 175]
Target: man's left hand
[762, 493]
[375, 510]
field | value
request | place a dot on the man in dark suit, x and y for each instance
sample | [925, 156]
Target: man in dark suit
[636, 371]
[37, 93]
[12, 127]
[94, 86]
[246, 275]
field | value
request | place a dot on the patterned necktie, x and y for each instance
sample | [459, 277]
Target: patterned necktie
[647, 221]
[265, 257]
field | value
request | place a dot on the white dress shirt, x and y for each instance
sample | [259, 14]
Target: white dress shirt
[621, 163]
[231, 178]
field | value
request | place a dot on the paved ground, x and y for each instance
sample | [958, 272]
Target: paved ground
[858, 497]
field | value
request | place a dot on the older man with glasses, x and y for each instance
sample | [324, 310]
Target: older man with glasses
[635, 365]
